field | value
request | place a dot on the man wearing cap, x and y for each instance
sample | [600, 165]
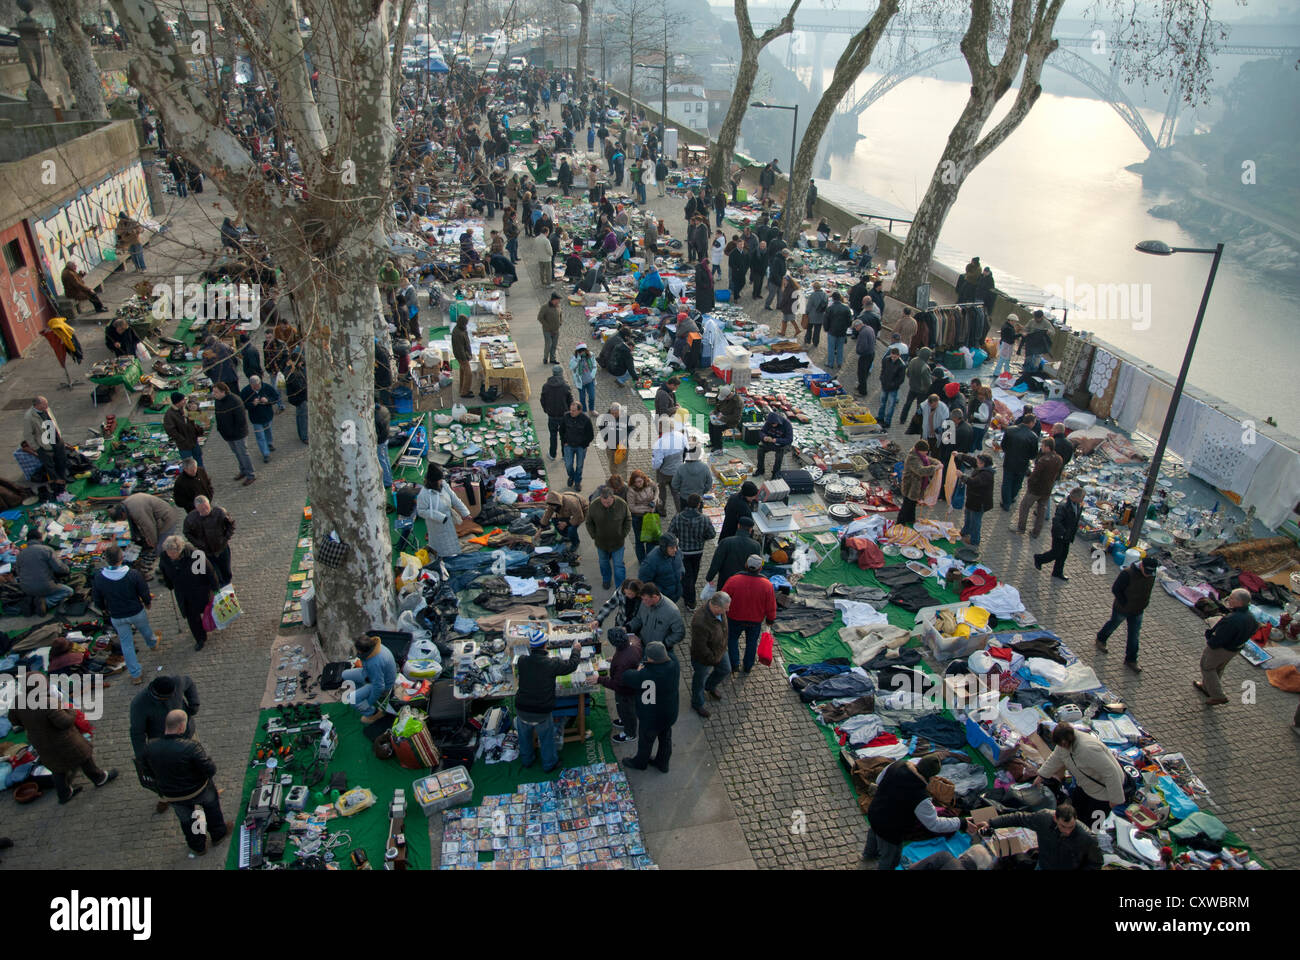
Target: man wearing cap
[181, 430]
[753, 602]
[657, 703]
[901, 810]
[556, 398]
[693, 530]
[149, 709]
[1132, 592]
[549, 317]
[535, 701]
[657, 618]
[627, 656]
[866, 352]
[666, 456]
[726, 415]
[1065, 526]
[710, 662]
[739, 504]
[608, 523]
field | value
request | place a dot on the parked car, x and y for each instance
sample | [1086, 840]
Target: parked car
[517, 65]
[492, 69]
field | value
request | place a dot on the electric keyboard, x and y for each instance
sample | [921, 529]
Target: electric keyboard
[252, 837]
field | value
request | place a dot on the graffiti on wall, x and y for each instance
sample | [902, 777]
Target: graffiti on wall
[114, 84]
[81, 228]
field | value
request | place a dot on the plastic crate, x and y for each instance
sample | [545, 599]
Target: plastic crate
[722, 296]
[447, 788]
[856, 419]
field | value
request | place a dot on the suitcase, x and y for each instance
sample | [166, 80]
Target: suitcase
[753, 432]
[799, 481]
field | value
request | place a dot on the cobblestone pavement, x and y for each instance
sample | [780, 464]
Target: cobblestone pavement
[786, 790]
[116, 827]
[779, 772]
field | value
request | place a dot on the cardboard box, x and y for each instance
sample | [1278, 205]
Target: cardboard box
[1006, 841]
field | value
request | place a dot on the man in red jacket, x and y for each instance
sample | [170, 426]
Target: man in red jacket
[753, 601]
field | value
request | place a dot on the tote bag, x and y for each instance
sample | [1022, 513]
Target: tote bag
[651, 528]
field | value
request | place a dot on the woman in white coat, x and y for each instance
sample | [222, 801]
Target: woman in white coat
[441, 510]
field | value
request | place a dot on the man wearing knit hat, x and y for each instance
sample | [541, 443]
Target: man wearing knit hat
[657, 703]
[535, 701]
[739, 504]
[149, 709]
[901, 806]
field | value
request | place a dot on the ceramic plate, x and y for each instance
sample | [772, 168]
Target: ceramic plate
[912, 553]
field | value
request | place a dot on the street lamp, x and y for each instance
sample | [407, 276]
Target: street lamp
[789, 182]
[1160, 249]
[663, 104]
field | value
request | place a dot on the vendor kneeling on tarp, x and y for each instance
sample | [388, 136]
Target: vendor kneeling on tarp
[535, 701]
[650, 285]
[902, 810]
[374, 677]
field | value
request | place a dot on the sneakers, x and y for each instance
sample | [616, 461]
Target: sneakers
[109, 777]
[617, 722]
[622, 737]
[75, 791]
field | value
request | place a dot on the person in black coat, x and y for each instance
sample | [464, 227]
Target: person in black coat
[737, 267]
[184, 771]
[979, 495]
[576, 435]
[740, 504]
[121, 339]
[1064, 448]
[656, 706]
[232, 425]
[1019, 448]
[1065, 525]
[192, 589]
[758, 267]
[703, 286]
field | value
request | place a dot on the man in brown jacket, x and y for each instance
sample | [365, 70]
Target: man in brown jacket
[1038, 488]
[568, 510]
[53, 733]
[152, 519]
[181, 430]
[549, 317]
[76, 288]
[460, 349]
[709, 661]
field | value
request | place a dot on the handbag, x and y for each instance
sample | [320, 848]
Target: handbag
[209, 623]
[146, 777]
[620, 454]
[651, 528]
[914, 426]
[959, 495]
[333, 552]
[766, 643]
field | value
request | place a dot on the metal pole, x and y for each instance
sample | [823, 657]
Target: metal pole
[789, 177]
[663, 104]
[1153, 472]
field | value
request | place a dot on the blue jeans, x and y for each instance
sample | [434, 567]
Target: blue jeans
[640, 192]
[126, 638]
[718, 217]
[570, 533]
[368, 695]
[262, 432]
[752, 632]
[548, 737]
[61, 592]
[587, 396]
[606, 558]
[137, 255]
[623, 380]
[384, 465]
[1003, 364]
[300, 417]
[834, 350]
[971, 528]
[705, 677]
[888, 401]
[512, 247]
[196, 452]
[1134, 622]
[574, 457]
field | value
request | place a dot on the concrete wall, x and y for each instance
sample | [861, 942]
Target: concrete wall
[77, 165]
[19, 142]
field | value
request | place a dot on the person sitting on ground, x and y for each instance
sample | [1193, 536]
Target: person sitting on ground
[902, 810]
[373, 678]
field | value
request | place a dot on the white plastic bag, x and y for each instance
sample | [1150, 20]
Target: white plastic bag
[708, 591]
[458, 410]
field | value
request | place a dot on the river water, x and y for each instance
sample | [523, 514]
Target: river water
[1055, 206]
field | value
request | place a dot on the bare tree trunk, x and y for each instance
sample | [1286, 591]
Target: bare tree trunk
[344, 481]
[73, 47]
[854, 59]
[330, 244]
[750, 47]
[1029, 39]
[584, 33]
